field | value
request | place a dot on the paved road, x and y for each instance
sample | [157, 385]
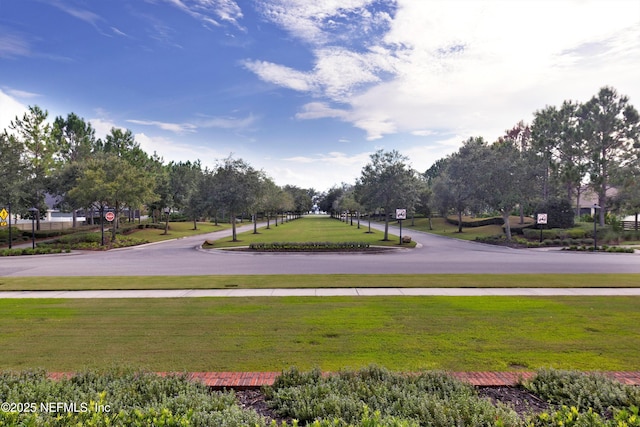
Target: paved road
[435, 254]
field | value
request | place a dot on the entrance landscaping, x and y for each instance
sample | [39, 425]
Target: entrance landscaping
[312, 233]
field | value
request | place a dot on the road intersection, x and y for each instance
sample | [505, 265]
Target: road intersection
[434, 255]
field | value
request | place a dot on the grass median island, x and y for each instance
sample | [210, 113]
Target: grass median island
[265, 334]
[311, 229]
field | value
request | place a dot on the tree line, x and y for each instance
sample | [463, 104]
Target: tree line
[65, 159]
[566, 149]
[593, 145]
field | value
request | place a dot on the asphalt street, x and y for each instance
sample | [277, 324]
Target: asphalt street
[434, 254]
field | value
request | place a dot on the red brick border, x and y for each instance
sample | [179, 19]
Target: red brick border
[245, 380]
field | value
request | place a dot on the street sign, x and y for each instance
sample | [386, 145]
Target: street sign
[109, 216]
[401, 214]
[3, 217]
[542, 218]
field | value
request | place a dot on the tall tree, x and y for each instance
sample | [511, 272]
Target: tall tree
[34, 133]
[612, 131]
[236, 186]
[388, 183]
[110, 181]
[504, 180]
[461, 184]
[75, 141]
[12, 170]
[559, 140]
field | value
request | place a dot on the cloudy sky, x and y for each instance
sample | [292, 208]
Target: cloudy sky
[307, 89]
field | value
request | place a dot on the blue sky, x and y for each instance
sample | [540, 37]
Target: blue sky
[307, 89]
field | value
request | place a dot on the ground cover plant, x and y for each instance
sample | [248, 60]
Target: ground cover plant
[311, 229]
[269, 334]
[425, 399]
[119, 397]
[369, 397]
[325, 281]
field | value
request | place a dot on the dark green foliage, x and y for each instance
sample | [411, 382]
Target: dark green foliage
[308, 246]
[429, 398]
[559, 212]
[476, 222]
[584, 391]
[30, 251]
[128, 398]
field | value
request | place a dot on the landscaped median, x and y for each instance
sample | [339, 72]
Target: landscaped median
[310, 234]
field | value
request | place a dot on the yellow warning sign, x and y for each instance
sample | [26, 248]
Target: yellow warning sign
[3, 217]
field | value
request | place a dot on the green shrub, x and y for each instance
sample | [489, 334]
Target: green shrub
[584, 391]
[308, 246]
[559, 212]
[428, 398]
[128, 398]
[475, 222]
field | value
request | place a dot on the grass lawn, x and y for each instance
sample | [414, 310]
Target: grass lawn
[313, 229]
[325, 281]
[443, 228]
[177, 230]
[264, 334]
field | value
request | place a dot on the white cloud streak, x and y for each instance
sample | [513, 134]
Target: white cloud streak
[465, 66]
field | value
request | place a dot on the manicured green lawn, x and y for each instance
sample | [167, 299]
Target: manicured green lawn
[264, 334]
[325, 281]
[313, 229]
[443, 228]
[178, 230]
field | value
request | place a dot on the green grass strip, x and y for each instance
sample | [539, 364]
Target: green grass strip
[312, 229]
[324, 281]
[265, 334]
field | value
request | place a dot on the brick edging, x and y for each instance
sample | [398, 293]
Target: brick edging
[248, 380]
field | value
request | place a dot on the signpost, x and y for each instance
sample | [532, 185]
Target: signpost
[542, 220]
[400, 215]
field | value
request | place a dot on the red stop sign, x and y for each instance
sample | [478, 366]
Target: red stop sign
[109, 216]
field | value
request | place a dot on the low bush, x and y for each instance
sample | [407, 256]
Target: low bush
[583, 391]
[30, 251]
[121, 397]
[308, 246]
[476, 222]
[428, 399]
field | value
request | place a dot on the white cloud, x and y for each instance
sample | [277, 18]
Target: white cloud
[211, 11]
[466, 66]
[172, 127]
[170, 150]
[12, 45]
[282, 76]
[10, 108]
[227, 122]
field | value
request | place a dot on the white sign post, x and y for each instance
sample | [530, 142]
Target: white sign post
[400, 215]
[542, 219]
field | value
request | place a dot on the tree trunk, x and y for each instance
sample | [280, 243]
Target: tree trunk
[459, 221]
[386, 226]
[234, 235]
[507, 226]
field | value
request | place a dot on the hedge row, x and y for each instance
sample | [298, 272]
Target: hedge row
[308, 246]
[30, 251]
[557, 233]
[476, 222]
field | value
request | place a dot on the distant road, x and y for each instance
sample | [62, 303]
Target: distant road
[435, 254]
